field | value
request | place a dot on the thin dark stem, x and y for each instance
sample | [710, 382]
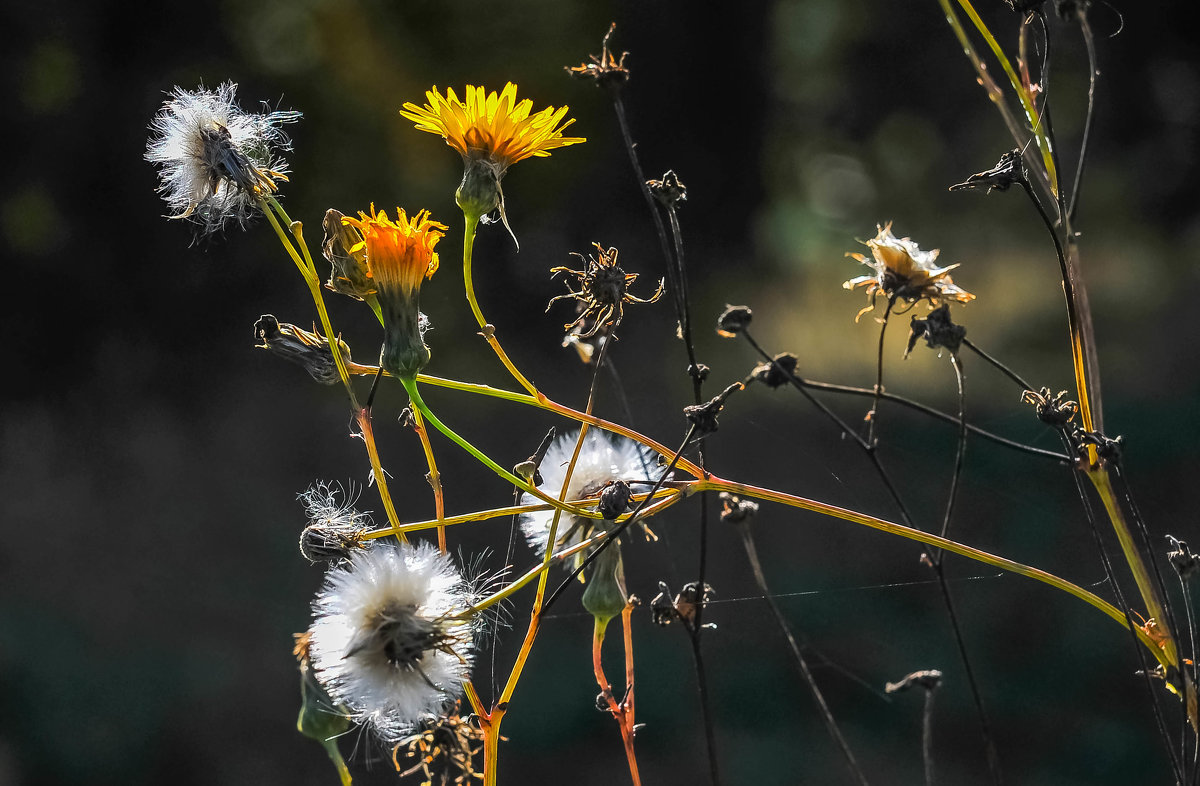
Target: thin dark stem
[659, 229]
[866, 447]
[1005, 370]
[873, 415]
[1171, 622]
[930, 411]
[1093, 74]
[798, 656]
[1119, 594]
[683, 306]
[937, 562]
[927, 737]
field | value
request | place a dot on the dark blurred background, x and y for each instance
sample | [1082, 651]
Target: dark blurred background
[149, 580]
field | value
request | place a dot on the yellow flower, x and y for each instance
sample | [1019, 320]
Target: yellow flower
[400, 257]
[903, 271]
[399, 253]
[492, 131]
[492, 125]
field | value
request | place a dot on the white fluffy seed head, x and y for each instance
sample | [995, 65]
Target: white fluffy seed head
[216, 159]
[384, 639]
[603, 458]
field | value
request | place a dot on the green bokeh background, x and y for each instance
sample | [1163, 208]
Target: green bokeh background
[150, 456]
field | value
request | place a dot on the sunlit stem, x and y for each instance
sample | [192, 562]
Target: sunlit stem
[367, 431]
[435, 479]
[1103, 483]
[1023, 94]
[335, 756]
[533, 573]
[994, 93]
[487, 330]
[714, 483]
[308, 271]
[512, 510]
[410, 385]
[622, 712]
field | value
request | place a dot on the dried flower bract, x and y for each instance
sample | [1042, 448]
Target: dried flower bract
[904, 272]
[602, 291]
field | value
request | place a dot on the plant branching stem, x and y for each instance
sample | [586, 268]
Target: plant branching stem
[798, 656]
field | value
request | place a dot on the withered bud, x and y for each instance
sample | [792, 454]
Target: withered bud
[308, 349]
[733, 320]
[1182, 559]
[1108, 448]
[662, 608]
[929, 679]
[704, 416]
[779, 371]
[937, 329]
[347, 257]
[606, 70]
[689, 600]
[1053, 409]
[736, 510]
[529, 469]
[329, 542]
[1008, 170]
[614, 499]
[669, 190]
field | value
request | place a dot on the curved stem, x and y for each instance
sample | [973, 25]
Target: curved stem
[434, 478]
[715, 483]
[487, 330]
[410, 385]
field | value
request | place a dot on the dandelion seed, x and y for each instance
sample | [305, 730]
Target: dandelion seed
[903, 271]
[216, 161]
[603, 460]
[387, 640]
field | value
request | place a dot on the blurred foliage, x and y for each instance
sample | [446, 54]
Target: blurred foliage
[149, 456]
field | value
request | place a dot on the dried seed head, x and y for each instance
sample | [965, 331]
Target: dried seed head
[735, 510]
[1053, 409]
[216, 161]
[778, 372]
[733, 320]
[603, 289]
[308, 349]
[605, 70]
[1008, 170]
[346, 253]
[670, 190]
[937, 329]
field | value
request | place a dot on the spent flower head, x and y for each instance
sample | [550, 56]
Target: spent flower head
[902, 271]
[603, 289]
[388, 637]
[604, 459]
[216, 161]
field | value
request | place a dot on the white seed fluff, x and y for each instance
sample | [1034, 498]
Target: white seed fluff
[213, 156]
[603, 458]
[384, 642]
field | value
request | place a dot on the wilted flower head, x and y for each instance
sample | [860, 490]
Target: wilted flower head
[603, 291]
[335, 527]
[216, 160]
[399, 257]
[604, 459]
[444, 748]
[903, 271]
[307, 348]
[386, 639]
[492, 131]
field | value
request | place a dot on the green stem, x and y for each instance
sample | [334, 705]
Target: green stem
[410, 384]
[336, 757]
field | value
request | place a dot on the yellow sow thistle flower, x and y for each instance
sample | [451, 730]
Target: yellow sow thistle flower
[400, 257]
[492, 131]
[904, 272]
